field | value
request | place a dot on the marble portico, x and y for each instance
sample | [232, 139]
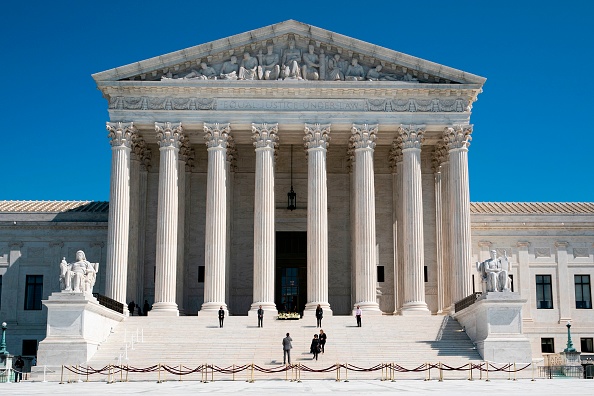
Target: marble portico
[393, 179]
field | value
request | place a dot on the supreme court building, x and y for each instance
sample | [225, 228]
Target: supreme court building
[291, 166]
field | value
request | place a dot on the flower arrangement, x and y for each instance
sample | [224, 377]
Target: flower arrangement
[289, 316]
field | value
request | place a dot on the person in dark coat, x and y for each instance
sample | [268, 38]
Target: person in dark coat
[145, 308]
[322, 339]
[131, 306]
[315, 347]
[221, 316]
[287, 348]
[319, 315]
[18, 369]
[260, 317]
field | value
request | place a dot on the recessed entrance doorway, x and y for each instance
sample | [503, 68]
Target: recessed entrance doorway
[291, 271]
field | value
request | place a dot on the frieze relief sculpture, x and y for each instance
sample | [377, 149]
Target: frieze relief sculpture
[289, 62]
[494, 273]
[79, 276]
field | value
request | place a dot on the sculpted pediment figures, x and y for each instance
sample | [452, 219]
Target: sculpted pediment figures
[289, 57]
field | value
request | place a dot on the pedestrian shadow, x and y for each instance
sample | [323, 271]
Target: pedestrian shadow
[252, 327]
[352, 326]
[212, 327]
[309, 327]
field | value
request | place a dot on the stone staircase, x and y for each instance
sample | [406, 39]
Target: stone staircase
[194, 340]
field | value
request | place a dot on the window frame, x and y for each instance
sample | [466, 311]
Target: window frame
[585, 341]
[33, 292]
[550, 341]
[543, 285]
[582, 304]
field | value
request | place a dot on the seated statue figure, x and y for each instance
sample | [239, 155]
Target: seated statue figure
[310, 69]
[336, 68]
[230, 69]
[269, 68]
[248, 67]
[494, 273]
[290, 62]
[355, 71]
[205, 73]
[78, 277]
[375, 74]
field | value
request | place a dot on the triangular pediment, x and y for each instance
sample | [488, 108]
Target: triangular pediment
[334, 57]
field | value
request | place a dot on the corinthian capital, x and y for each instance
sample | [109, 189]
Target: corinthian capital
[411, 136]
[458, 136]
[440, 155]
[363, 136]
[217, 135]
[120, 133]
[168, 135]
[265, 135]
[186, 154]
[316, 136]
[395, 156]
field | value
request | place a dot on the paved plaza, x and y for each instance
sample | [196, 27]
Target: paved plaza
[368, 387]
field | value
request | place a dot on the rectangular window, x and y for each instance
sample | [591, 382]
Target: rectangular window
[29, 348]
[544, 292]
[547, 345]
[0, 291]
[511, 278]
[587, 345]
[380, 273]
[33, 292]
[583, 296]
[425, 274]
[200, 274]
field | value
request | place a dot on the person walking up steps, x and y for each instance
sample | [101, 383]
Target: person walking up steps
[358, 313]
[221, 316]
[315, 347]
[322, 339]
[319, 315]
[287, 349]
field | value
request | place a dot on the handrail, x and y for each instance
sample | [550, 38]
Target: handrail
[467, 301]
[109, 303]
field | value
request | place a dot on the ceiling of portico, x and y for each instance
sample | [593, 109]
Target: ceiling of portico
[205, 61]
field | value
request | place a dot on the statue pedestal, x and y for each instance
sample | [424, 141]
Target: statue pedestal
[494, 324]
[76, 326]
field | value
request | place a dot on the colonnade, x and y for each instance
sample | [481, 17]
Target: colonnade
[452, 216]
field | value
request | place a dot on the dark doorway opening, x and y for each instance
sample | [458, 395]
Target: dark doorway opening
[291, 271]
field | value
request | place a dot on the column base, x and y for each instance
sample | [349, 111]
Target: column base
[268, 307]
[310, 308]
[164, 309]
[369, 308]
[212, 309]
[415, 308]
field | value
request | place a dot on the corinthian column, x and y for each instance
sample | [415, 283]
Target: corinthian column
[217, 136]
[316, 143]
[439, 156]
[118, 226]
[169, 138]
[410, 138]
[265, 140]
[363, 141]
[457, 140]
[396, 165]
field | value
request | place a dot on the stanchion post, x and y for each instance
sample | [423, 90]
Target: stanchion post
[440, 372]
[159, 380]
[44, 368]
[346, 372]
[211, 372]
[515, 371]
[470, 371]
[393, 374]
[180, 373]
[252, 380]
[487, 380]
[428, 377]
[481, 371]
[127, 371]
[337, 372]
[532, 371]
[61, 375]
[233, 371]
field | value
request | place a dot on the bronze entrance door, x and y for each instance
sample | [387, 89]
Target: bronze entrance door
[291, 271]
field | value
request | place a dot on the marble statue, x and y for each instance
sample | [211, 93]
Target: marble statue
[230, 69]
[336, 68]
[311, 66]
[205, 73]
[269, 68]
[375, 74]
[79, 276]
[290, 62]
[494, 273]
[355, 71]
[248, 67]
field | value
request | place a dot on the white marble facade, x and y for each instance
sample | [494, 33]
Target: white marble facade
[208, 141]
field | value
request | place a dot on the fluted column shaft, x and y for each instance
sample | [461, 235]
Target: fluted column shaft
[316, 143]
[446, 235]
[458, 140]
[412, 203]
[265, 141]
[169, 139]
[215, 249]
[363, 139]
[118, 228]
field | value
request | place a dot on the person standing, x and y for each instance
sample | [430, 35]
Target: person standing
[260, 317]
[131, 306]
[322, 339]
[145, 308]
[221, 316]
[358, 313]
[319, 315]
[18, 369]
[315, 347]
[287, 349]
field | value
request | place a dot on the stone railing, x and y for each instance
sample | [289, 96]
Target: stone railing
[109, 303]
[467, 301]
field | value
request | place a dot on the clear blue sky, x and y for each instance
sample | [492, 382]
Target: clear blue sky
[538, 55]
